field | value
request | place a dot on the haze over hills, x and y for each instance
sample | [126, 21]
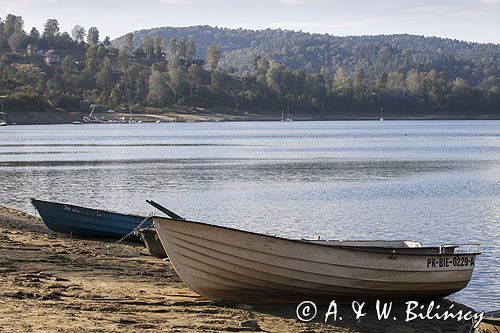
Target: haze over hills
[477, 63]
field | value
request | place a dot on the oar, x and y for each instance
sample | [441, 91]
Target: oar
[168, 212]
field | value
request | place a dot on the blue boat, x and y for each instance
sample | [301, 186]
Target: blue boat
[88, 222]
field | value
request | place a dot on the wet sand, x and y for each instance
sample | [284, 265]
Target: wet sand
[54, 283]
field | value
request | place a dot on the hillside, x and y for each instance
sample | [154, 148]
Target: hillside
[477, 63]
[244, 74]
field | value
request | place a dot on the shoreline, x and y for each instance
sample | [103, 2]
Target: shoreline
[182, 119]
[52, 282]
[193, 115]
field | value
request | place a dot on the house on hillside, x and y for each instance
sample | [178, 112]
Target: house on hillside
[51, 58]
[139, 54]
[32, 50]
[199, 62]
[186, 63]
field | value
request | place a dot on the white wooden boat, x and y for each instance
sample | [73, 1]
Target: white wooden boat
[232, 265]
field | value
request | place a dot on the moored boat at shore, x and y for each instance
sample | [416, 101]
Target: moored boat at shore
[88, 222]
[227, 264]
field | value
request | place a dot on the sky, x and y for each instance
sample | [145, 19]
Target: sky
[469, 20]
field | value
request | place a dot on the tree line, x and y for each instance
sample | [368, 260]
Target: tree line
[94, 70]
[477, 63]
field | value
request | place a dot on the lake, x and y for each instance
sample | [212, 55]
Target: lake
[433, 181]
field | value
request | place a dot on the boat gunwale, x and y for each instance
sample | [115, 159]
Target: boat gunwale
[33, 200]
[344, 247]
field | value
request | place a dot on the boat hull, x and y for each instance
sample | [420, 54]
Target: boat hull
[152, 242]
[233, 265]
[87, 222]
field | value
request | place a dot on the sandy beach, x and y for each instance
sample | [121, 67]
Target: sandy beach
[54, 283]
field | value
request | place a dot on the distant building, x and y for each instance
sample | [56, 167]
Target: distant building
[51, 58]
[199, 62]
[32, 50]
[186, 63]
[139, 54]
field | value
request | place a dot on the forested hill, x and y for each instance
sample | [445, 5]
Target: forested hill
[477, 63]
[257, 73]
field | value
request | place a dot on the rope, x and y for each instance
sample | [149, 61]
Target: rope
[136, 228]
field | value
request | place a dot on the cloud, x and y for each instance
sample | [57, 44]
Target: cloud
[451, 11]
[296, 2]
[26, 2]
[14, 5]
[430, 9]
[335, 28]
[177, 2]
[490, 1]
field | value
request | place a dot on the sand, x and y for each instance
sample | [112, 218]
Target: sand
[54, 283]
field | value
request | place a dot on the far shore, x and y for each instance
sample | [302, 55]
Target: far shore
[194, 115]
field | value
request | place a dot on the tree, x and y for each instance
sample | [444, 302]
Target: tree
[34, 33]
[414, 82]
[105, 75]
[147, 45]
[382, 82]
[78, 33]
[93, 36]
[2, 33]
[51, 29]
[182, 49]
[215, 81]
[177, 75]
[194, 77]
[213, 56]
[15, 41]
[157, 45]
[94, 57]
[128, 44]
[276, 76]
[315, 84]
[18, 34]
[172, 52]
[68, 67]
[11, 21]
[107, 41]
[158, 88]
[28, 78]
[395, 81]
[434, 84]
[69, 75]
[191, 50]
[261, 65]
[104, 80]
[359, 81]
[342, 84]
[459, 86]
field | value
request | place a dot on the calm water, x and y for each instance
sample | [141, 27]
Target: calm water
[434, 181]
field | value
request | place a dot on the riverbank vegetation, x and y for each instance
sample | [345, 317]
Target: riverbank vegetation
[302, 74]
